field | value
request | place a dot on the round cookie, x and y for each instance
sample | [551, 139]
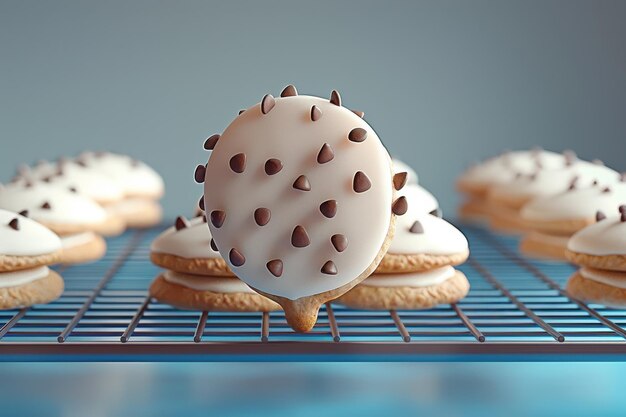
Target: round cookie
[544, 246]
[299, 192]
[25, 244]
[193, 292]
[186, 248]
[598, 286]
[601, 245]
[137, 213]
[26, 287]
[422, 242]
[419, 290]
[399, 166]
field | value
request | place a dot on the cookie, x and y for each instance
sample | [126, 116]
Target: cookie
[25, 244]
[138, 213]
[544, 246]
[194, 292]
[422, 242]
[82, 248]
[473, 210]
[186, 248]
[26, 287]
[421, 290]
[598, 286]
[601, 245]
[505, 220]
[300, 197]
[399, 166]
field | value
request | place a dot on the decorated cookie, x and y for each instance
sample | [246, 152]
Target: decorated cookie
[598, 286]
[399, 166]
[544, 245]
[186, 248]
[422, 199]
[138, 213]
[25, 287]
[299, 193]
[25, 244]
[601, 245]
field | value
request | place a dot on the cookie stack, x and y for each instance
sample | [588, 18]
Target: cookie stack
[196, 276]
[26, 250]
[600, 251]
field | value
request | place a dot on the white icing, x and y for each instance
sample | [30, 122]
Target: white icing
[31, 239]
[414, 279]
[71, 241]
[612, 278]
[421, 200]
[24, 276]
[399, 166]
[439, 237]
[41, 169]
[66, 207]
[287, 133]
[581, 203]
[204, 283]
[606, 237]
[190, 242]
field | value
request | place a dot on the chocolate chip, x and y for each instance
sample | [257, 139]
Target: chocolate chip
[46, 206]
[417, 228]
[572, 185]
[14, 224]
[299, 237]
[359, 113]
[302, 183]
[340, 242]
[81, 162]
[238, 163]
[329, 268]
[606, 190]
[399, 180]
[262, 216]
[316, 113]
[201, 203]
[622, 177]
[361, 182]
[199, 174]
[570, 157]
[181, 223]
[400, 206]
[273, 166]
[329, 208]
[622, 208]
[335, 98]
[204, 218]
[325, 154]
[211, 141]
[437, 213]
[623, 217]
[600, 216]
[217, 218]
[213, 246]
[597, 162]
[72, 189]
[594, 183]
[268, 103]
[236, 258]
[275, 266]
[289, 91]
[241, 112]
[23, 213]
[357, 135]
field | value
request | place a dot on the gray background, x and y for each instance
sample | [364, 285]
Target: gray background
[443, 83]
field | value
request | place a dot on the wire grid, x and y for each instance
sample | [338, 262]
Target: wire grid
[517, 308]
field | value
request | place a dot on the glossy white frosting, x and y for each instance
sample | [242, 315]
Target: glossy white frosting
[24, 276]
[31, 239]
[77, 239]
[439, 237]
[413, 279]
[190, 242]
[288, 133]
[399, 166]
[612, 278]
[606, 237]
[422, 201]
[204, 283]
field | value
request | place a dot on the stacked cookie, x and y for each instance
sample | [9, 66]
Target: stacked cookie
[600, 251]
[26, 250]
[196, 276]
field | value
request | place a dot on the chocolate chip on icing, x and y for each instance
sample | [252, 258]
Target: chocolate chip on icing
[14, 224]
[361, 182]
[359, 113]
[316, 113]
[199, 174]
[299, 237]
[570, 157]
[329, 268]
[204, 218]
[335, 98]
[213, 245]
[622, 177]
[594, 183]
[437, 213]
[275, 266]
[217, 218]
[600, 216]
[72, 189]
[399, 180]
[268, 103]
[262, 216]
[572, 185]
[329, 208]
[400, 206]
[236, 258]
[606, 190]
[622, 208]
[623, 217]
[340, 242]
[289, 91]
[238, 163]
[302, 183]
[23, 213]
[597, 162]
[241, 112]
[211, 141]
[181, 223]
[201, 203]
[273, 166]
[46, 206]
[325, 154]
[357, 135]
[417, 228]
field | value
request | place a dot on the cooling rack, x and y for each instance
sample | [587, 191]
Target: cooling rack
[517, 309]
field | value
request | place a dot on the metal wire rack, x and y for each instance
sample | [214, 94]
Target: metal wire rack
[517, 309]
